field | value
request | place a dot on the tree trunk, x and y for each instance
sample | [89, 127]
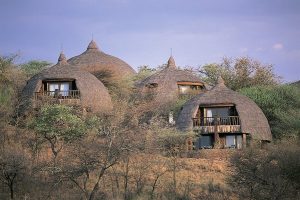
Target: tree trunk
[96, 187]
[11, 187]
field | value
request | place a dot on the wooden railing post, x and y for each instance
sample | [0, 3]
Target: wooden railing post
[216, 133]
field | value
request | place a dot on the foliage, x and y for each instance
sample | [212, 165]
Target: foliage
[281, 105]
[58, 121]
[239, 73]
[12, 81]
[143, 72]
[33, 67]
[177, 106]
[267, 174]
[57, 125]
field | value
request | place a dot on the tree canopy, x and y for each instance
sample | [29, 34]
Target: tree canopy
[239, 73]
[281, 105]
[33, 67]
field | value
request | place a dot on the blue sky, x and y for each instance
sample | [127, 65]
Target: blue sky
[142, 32]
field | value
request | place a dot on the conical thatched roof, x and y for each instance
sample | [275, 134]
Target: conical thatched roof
[95, 61]
[253, 120]
[166, 81]
[93, 94]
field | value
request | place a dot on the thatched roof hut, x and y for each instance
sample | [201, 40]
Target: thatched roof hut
[103, 66]
[252, 119]
[78, 84]
[170, 82]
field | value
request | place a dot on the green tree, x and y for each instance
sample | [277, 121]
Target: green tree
[33, 67]
[281, 105]
[239, 73]
[57, 124]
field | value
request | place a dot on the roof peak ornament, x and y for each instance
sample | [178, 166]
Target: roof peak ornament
[92, 45]
[62, 60]
[171, 63]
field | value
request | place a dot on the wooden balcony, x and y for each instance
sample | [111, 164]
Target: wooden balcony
[69, 94]
[61, 97]
[230, 124]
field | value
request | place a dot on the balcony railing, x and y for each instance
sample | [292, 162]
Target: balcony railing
[223, 124]
[212, 121]
[69, 94]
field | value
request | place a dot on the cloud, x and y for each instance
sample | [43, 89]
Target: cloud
[278, 46]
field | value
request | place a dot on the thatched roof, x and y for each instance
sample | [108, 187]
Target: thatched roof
[166, 81]
[93, 94]
[253, 120]
[95, 61]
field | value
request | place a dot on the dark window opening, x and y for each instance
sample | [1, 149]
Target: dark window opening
[61, 88]
[205, 142]
[152, 85]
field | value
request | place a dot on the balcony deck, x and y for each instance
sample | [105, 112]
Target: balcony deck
[230, 124]
[70, 97]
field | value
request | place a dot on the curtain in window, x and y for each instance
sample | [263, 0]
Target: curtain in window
[64, 88]
[230, 141]
[209, 114]
[53, 87]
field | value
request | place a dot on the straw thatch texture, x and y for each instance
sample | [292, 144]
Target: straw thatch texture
[253, 120]
[95, 61]
[93, 93]
[165, 82]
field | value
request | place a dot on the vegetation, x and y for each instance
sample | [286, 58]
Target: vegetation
[281, 105]
[267, 174]
[239, 73]
[33, 67]
[64, 153]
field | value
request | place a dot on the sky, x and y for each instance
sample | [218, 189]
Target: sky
[142, 32]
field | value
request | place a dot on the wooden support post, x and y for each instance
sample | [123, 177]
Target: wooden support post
[244, 140]
[216, 134]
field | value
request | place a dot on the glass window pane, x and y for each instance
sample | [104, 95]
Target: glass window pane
[205, 141]
[239, 141]
[230, 141]
[183, 89]
[53, 86]
[64, 87]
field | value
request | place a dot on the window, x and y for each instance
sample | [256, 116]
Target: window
[183, 89]
[189, 87]
[205, 142]
[62, 88]
[233, 141]
[217, 112]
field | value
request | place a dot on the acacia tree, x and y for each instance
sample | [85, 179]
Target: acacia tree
[13, 168]
[57, 125]
[88, 159]
[239, 73]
